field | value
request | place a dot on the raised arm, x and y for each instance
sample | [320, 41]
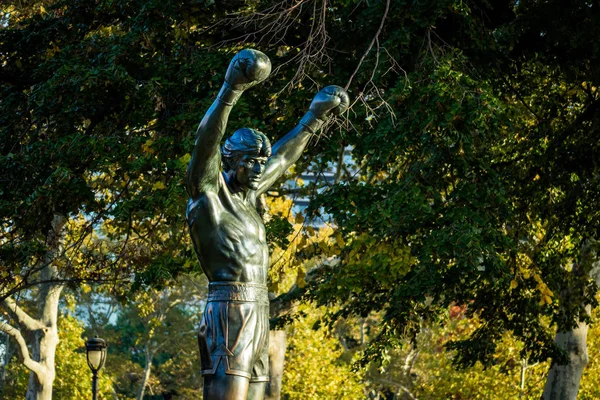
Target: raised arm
[246, 69]
[331, 100]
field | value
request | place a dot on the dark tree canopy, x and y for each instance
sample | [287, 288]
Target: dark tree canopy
[474, 133]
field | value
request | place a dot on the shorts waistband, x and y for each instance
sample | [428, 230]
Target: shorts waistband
[238, 291]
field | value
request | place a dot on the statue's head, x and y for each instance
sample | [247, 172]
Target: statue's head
[245, 155]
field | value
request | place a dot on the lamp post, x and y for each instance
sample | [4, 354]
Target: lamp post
[96, 355]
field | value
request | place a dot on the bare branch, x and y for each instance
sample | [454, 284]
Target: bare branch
[371, 91]
[269, 27]
[375, 39]
[429, 44]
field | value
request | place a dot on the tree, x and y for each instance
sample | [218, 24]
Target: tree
[158, 332]
[87, 158]
[73, 376]
[452, 209]
[313, 369]
[563, 380]
[472, 134]
[44, 327]
[475, 196]
[304, 361]
[97, 108]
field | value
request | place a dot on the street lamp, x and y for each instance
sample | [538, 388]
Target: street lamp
[96, 355]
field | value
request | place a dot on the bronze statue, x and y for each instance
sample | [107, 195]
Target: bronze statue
[228, 233]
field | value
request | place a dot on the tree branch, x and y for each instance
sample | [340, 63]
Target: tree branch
[375, 39]
[521, 99]
[340, 164]
[588, 114]
[21, 316]
[399, 385]
[33, 365]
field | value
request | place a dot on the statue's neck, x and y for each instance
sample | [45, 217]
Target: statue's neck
[236, 189]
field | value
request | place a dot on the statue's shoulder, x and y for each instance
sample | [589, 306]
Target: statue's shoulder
[205, 206]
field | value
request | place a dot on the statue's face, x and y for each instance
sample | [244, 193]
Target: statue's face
[249, 170]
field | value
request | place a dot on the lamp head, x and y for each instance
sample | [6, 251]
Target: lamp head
[96, 353]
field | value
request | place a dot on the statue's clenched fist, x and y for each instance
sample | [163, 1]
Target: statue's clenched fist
[247, 68]
[330, 100]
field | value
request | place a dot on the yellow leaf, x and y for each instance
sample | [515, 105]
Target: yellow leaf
[147, 147]
[158, 186]
[302, 243]
[300, 281]
[19, 64]
[523, 261]
[339, 240]
[310, 230]
[299, 218]
[548, 299]
[514, 284]
[184, 159]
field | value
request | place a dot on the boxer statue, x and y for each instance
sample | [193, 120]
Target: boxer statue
[224, 185]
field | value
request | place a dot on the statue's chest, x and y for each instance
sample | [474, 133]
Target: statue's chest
[244, 219]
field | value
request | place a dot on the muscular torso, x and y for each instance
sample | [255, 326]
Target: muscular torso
[229, 236]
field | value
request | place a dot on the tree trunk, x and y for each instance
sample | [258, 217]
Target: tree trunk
[563, 380]
[43, 347]
[43, 350]
[277, 347]
[147, 371]
[42, 331]
[409, 363]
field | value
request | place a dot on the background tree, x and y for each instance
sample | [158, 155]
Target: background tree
[73, 376]
[472, 135]
[87, 159]
[153, 339]
[485, 187]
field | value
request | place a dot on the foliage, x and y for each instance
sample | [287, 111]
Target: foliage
[158, 331]
[314, 366]
[475, 196]
[477, 382]
[432, 374]
[313, 369]
[473, 137]
[306, 247]
[90, 132]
